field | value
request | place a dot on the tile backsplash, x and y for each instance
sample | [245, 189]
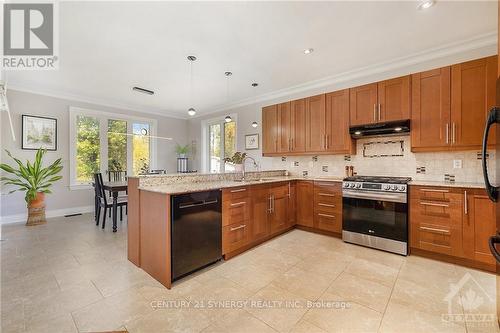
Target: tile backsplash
[391, 156]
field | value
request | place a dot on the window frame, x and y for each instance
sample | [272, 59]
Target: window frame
[206, 140]
[103, 118]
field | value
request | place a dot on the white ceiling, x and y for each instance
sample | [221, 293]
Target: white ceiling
[107, 48]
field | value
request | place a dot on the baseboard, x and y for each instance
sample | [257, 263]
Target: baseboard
[21, 218]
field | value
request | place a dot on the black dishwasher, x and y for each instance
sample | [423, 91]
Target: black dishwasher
[196, 235]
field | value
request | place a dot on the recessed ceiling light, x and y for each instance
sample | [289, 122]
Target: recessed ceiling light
[426, 4]
[254, 124]
[191, 112]
[143, 91]
[308, 51]
[228, 119]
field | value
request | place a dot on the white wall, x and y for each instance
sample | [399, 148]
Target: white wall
[63, 200]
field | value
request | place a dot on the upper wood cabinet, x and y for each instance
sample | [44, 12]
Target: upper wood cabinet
[270, 129]
[315, 123]
[430, 114]
[472, 96]
[338, 139]
[284, 127]
[292, 126]
[363, 108]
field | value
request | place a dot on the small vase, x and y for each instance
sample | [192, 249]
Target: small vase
[36, 210]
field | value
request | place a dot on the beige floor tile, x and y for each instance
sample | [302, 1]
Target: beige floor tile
[365, 292]
[112, 312]
[238, 321]
[60, 324]
[305, 327]
[327, 267]
[275, 261]
[399, 318]
[373, 271]
[303, 283]
[277, 307]
[251, 276]
[339, 315]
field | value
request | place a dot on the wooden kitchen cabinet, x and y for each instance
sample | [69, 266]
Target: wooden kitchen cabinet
[473, 89]
[315, 123]
[292, 127]
[328, 206]
[430, 114]
[270, 129]
[278, 215]
[260, 211]
[236, 218]
[394, 99]
[479, 224]
[305, 204]
[338, 139]
[363, 104]
[292, 204]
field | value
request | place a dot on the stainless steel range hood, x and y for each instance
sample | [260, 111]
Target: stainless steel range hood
[381, 129]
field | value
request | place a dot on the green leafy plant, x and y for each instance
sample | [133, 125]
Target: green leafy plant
[237, 158]
[31, 177]
[182, 150]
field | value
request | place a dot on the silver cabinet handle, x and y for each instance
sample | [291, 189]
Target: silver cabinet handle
[270, 210]
[289, 190]
[466, 208]
[293, 148]
[238, 227]
[326, 215]
[272, 203]
[238, 190]
[327, 139]
[325, 205]
[236, 204]
[379, 108]
[326, 194]
[447, 133]
[434, 204]
[433, 190]
[441, 231]
[453, 132]
[374, 112]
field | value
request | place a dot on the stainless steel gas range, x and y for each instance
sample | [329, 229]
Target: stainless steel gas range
[375, 212]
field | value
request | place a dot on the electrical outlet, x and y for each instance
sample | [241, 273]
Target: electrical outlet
[457, 164]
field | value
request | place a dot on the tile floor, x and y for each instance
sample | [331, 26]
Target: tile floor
[70, 276]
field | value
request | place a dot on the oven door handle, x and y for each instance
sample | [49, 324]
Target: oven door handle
[390, 197]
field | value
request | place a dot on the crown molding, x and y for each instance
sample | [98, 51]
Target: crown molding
[485, 45]
[30, 88]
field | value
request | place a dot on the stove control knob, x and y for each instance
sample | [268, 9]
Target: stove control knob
[345, 185]
[401, 188]
[394, 187]
[387, 187]
[352, 185]
[358, 185]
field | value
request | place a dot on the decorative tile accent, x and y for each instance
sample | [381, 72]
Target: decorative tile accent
[296, 163]
[324, 168]
[383, 149]
[305, 173]
[421, 170]
[283, 159]
[347, 158]
[449, 178]
[480, 157]
[315, 158]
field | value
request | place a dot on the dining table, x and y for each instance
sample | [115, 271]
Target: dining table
[115, 188]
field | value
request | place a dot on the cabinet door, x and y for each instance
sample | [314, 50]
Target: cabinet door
[472, 96]
[479, 225]
[305, 204]
[279, 216]
[430, 114]
[260, 211]
[270, 129]
[284, 127]
[394, 99]
[316, 129]
[298, 137]
[363, 104]
[338, 139]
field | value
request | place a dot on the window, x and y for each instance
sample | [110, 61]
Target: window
[109, 142]
[221, 144]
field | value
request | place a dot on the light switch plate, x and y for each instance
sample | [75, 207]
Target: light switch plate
[457, 164]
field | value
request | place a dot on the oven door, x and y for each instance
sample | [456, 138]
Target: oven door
[376, 214]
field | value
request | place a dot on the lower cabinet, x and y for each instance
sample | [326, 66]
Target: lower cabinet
[452, 221]
[328, 206]
[305, 204]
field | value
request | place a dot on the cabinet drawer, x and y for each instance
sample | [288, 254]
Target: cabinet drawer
[435, 194]
[235, 236]
[328, 205]
[328, 188]
[280, 191]
[439, 239]
[437, 212]
[328, 221]
[235, 211]
[235, 193]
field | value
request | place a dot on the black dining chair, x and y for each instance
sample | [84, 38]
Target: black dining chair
[102, 200]
[117, 176]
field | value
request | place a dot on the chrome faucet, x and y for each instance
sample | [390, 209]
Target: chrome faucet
[243, 166]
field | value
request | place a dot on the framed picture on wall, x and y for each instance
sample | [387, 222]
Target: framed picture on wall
[251, 141]
[39, 132]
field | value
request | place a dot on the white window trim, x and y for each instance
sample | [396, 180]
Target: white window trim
[205, 140]
[103, 135]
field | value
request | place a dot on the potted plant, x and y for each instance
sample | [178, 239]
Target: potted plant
[35, 181]
[182, 151]
[236, 160]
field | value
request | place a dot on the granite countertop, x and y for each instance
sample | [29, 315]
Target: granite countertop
[180, 188]
[446, 184]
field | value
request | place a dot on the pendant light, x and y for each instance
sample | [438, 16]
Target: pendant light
[227, 119]
[191, 110]
[255, 85]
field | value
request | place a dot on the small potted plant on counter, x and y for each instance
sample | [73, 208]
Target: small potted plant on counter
[35, 181]
[236, 160]
[182, 151]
